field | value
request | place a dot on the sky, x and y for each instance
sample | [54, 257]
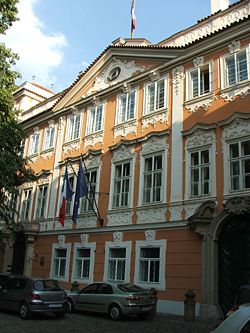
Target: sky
[57, 39]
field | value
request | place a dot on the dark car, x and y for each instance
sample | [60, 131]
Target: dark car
[27, 295]
[242, 297]
[4, 277]
[115, 299]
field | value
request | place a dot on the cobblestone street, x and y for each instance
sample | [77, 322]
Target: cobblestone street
[82, 322]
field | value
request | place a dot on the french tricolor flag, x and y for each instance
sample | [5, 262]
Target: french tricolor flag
[133, 18]
[66, 195]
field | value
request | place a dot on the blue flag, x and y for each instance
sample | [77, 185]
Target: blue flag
[81, 191]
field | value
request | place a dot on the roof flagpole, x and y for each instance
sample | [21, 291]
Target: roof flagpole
[133, 18]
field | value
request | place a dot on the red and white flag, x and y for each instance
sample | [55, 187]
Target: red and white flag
[66, 195]
[133, 18]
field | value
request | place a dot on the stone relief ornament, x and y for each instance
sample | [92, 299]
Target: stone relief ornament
[92, 139]
[61, 239]
[120, 218]
[84, 239]
[61, 123]
[36, 129]
[117, 237]
[51, 123]
[150, 235]
[95, 101]
[123, 153]
[178, 76]
[234, 46]
[125, 129]
[199, 61]
[238, 128]
[149, 214]
[154, 75]
[155, 118]
[202, 103]
[126, 87]
[239, 205]
[200, 137]
[153, 145]
[117, 71]
[241, 90]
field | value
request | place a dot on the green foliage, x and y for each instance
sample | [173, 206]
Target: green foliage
[14, 168]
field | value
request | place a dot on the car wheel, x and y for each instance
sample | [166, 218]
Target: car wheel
[24, 311]
[115, 312]
[70, 306]
[59, 315]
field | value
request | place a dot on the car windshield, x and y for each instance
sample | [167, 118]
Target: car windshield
[46, 285]
[130, 288]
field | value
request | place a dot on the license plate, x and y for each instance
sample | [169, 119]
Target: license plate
[55, 305]
[146, 308]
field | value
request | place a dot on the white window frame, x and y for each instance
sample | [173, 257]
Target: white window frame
[111, 245]
[164, 175]
[24, 201]
[67, 247]
[92, 119]
[200, 167]
[48, 139]
[189, 82]
[224, 78]
[85, 206]
[92, 248]
[119, 113]
[155, 84]
[72, 125]
[122, 180]
[240, 159]
[45, 203]
[162, 245]
[34, 143]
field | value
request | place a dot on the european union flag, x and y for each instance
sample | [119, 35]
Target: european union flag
[81, 191]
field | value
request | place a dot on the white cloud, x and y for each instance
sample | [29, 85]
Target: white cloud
[39, 52]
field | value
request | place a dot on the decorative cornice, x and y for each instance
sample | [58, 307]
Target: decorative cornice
[200, 137]
[234, 46]
[123, 153]
[238, 205]
[202, 102]
[155, 118]
[125, 128]
[236, 129]
[154, 145]
[199, 61]
[92, 139]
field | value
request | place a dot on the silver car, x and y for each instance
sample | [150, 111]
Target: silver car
[115, 299]
[29, 295]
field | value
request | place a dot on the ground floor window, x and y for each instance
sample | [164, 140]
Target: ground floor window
[60, 261]
[83, 262]
[150, 264]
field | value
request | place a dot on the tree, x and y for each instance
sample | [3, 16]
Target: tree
[14, 169]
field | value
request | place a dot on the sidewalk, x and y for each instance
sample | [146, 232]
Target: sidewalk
[176, 324]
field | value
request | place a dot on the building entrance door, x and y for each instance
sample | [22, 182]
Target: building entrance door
[234, 258]
[19, 254]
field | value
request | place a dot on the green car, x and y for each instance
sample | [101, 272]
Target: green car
[115, 299]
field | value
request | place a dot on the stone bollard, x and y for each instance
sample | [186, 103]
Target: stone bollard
[189, 306]
[74, 286]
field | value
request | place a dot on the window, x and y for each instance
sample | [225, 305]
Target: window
[117, 264]
[48, 138]
[239, 153]
[95, 119]
[89, 204]
[34, 143]
[126, 107]
[199, 81]
[73, 127]
[26, 205]
[155, 98]
[152, 186]
[82, 265]
[41, 201]
[150, 264]
[121, 185]
[83, 262]
[200, 173]
[236, 68]
[72, 185]
[60, 261]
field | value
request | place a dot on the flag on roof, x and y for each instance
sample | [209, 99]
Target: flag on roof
[133, 18]
[81, 191]
[66, 195]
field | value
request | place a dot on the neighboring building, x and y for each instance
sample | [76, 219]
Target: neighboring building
[164, 132]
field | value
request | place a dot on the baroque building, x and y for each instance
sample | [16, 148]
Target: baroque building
[164, 132]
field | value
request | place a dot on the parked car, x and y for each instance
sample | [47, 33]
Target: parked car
[115, 299]
[237, 322]
[33, 295]
[4, 277]
[242, 297]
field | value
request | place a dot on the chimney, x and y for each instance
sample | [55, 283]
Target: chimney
[217, 5]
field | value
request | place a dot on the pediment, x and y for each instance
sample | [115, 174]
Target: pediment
[107, 71]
